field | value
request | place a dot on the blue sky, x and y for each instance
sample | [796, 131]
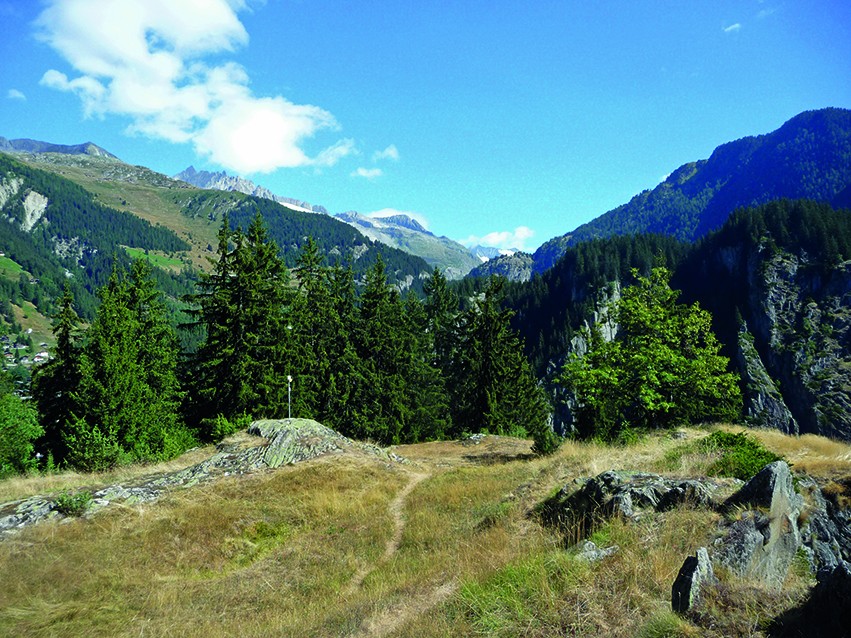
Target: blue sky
[498, 122]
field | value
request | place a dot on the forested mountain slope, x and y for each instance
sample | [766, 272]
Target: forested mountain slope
[195, 215]
[808, 157]
[58, 232]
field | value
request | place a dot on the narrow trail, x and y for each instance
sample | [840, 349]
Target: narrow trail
[396, 508]
[389, 620]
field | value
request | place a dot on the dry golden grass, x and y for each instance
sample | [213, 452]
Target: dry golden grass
[814, 455]
[20, 487]
[346, 545]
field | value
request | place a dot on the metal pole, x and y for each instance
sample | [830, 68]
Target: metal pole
[289, 397]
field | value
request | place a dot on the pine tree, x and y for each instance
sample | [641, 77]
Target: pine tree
[55, 382]
[245, 307]
[493, 386]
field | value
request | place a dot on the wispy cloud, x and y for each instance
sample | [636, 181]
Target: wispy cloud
[389, 153]
[367, 173]
[392, 212]
[516, 238]
[15, 94]
[148, 60]
[733, 28]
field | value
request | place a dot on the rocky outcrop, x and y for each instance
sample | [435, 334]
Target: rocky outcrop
[268, 444]
[801, 321]
[764, 405]
[763, 540]
[34, 206]
[766, 523]
[515, 267]
[626, 494]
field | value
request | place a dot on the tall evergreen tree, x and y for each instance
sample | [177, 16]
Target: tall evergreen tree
[245, 306]
[127, 397]
[492, 386]
[55, 382]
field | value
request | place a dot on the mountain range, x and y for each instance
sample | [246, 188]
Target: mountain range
[807, 157]
[396, 230]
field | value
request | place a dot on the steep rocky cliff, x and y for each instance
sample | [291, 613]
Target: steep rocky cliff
[782, 303]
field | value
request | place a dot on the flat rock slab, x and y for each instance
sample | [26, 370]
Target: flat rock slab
[272, 444]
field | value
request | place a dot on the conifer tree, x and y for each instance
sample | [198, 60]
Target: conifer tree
[127, 397]
[245, 306]
[55, 382]
[492, 386]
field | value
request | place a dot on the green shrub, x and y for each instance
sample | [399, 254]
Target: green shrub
[19, 428]
[217, 428]
[73, 504]
[741, 455]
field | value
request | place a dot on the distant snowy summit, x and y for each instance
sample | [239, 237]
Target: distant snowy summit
[486, 253]
[221, 181]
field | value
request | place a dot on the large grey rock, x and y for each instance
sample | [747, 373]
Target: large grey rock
[763, 541]
[695, 574]
[273, 443]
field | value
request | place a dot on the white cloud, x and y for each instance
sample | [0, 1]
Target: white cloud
[506, 239]
[733, 28]
[15, 94]
[390, 153]
[367, 173]
[392, 212]
[145, 60]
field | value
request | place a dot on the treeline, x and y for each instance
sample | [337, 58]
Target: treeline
[373, 366]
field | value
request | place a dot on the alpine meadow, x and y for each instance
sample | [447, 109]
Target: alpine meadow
[267, 397]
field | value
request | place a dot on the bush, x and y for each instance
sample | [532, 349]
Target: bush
[73, 504]
[219, 427]
[741, 455]
[19, 428]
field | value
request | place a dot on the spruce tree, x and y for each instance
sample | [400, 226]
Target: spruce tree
[492, 386]
[127, 397]
[55, 382]
[244, 306]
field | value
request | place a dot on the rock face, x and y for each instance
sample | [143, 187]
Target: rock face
[515, 267]
[794, 331]
[270, 444]
[695, 574]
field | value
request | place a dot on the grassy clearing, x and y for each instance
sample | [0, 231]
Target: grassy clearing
[303, 551]
[156, 258]
[10, 269]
